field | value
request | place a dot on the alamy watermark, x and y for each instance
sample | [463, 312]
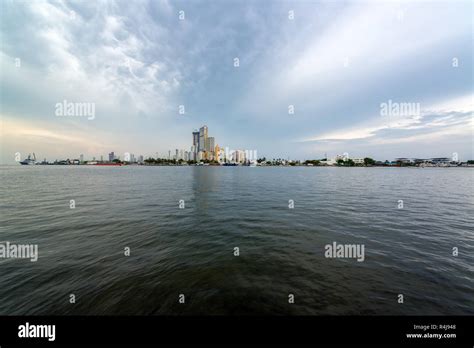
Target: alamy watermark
[83, 109]
[345, 251]
[391, 108]
[37, 331]
[19, 251]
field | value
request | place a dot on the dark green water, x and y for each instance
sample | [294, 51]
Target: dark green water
[191, 251]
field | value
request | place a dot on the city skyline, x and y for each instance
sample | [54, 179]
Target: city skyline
[204, 148]
[291, 80]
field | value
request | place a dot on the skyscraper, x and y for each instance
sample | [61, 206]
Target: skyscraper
[202, 138]
[196, 140]
[210, 144]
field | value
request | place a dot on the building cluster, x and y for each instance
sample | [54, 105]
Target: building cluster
[344, 157]
[128, 157]
[429, 162]
[205, 149]
[402, 161]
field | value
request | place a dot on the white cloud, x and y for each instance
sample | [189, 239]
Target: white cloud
[432, 120]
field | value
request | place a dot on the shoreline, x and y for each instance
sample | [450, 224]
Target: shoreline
[218, 165]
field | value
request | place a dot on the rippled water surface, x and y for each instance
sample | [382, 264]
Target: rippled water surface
[190, 251]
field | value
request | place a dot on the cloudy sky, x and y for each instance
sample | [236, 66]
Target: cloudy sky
[334, 62]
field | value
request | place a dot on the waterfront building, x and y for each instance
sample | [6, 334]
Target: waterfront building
[196, 141]
[440, 161]
[238, 156]
[403, 160]
[343, 157]
[210, 144]
[111, 156]
[329, 162]
[202, 137]
[217, 153]
[420, 160]
[223, 155]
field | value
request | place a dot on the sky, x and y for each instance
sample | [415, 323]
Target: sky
[312, 77]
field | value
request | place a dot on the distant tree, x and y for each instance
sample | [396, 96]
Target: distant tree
[369, 161]
[350, 163]
[313, 162]
[340, 162]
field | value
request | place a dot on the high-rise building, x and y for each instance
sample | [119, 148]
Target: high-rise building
[238, 156]
[202, 138]
[196, 140]
[81, 158]
[111, 156]
[209, 144]
[217, 153]
[177, 155]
